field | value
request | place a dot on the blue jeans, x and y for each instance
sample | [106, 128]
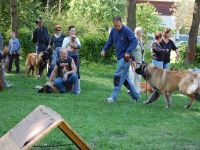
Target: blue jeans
[54, 57]
[166, 66]
[159, 64]
[121, 77]
[61, 84]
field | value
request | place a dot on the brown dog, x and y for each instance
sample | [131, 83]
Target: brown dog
[166, 82]
[36, 63]
[145, 87]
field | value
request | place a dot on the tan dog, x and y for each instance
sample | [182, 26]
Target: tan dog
[166, 82]
[145, 87]
[36, 63]
[32, 63]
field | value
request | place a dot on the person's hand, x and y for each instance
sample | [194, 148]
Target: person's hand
[102, 53]
[73, 46]
[127, 57]
[65, 76]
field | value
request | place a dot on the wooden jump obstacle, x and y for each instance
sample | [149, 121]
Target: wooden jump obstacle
[36, 126]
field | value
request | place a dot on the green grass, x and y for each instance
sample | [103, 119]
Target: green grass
[122, 126]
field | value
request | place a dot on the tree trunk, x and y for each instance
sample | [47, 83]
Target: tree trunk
[47, 6]
[192, 42]
[131, 13]
[59, 7]
[14, 17]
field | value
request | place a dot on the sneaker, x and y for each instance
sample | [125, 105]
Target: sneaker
[8, 85]
[110, 100]
[135, 100]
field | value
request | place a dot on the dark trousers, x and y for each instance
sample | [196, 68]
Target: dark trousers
[11, 58]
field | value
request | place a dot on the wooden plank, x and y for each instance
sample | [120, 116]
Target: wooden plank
[36, 126]
[75, 138]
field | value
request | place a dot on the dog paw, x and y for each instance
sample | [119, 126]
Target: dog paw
[187, 106]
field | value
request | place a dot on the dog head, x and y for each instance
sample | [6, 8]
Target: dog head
[45, 89]
[143, 70]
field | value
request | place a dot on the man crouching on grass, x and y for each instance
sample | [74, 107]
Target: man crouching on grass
[124, 40]
[65, 73]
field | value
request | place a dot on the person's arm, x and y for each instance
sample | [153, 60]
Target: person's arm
[18, 47]
[175, 49]
[78, 43]
[158, 48]
[109, 43]
[66, 42]
[74, 69]
[1, 42]
[54, 73]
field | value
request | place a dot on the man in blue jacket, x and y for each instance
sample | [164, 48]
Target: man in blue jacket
[124, 40]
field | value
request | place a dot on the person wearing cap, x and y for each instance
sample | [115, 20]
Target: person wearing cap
[40, 36]
[56, 44]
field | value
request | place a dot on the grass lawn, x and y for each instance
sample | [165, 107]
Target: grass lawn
[120, 126]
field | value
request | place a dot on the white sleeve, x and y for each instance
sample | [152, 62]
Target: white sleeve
[78, 41]
[66, 42]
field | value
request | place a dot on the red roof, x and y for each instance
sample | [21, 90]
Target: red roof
[162, 6]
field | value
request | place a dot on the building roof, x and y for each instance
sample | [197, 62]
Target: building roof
[164, 7]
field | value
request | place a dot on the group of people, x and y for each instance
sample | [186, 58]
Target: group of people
[65, 59]
[129, 47]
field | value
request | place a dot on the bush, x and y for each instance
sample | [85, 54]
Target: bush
[182, 51]
[92, 46]
[25, 40]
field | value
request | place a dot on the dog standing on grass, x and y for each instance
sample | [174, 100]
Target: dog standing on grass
[166, 82]
[36, 63]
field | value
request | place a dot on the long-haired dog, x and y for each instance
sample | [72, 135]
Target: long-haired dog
[36, 63]
[166, 82]
[47, 88]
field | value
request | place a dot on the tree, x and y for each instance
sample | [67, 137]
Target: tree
[131, 13]
[192, 42]
[148, 18]
[14, 17]
[183, 11]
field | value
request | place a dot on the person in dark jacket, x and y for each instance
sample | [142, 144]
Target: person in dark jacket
[56, 44]
[157, 51]
[41, 36]
[167, 43]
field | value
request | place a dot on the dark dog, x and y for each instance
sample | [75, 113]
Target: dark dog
[49, 87]
[166, 82]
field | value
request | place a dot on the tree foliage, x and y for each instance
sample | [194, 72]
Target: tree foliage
[183, 12]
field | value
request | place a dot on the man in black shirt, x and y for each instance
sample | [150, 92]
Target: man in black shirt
[65, 70]
[41, 36]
